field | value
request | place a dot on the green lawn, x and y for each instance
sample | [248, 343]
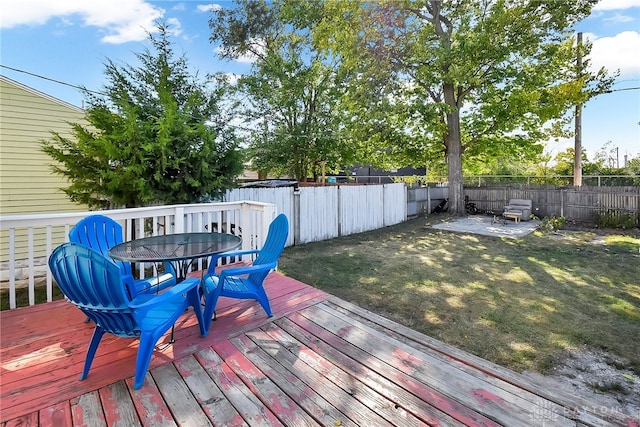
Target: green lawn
[519, 303]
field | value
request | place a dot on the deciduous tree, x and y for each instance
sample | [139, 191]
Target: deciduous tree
[473, 78]
[292, 91]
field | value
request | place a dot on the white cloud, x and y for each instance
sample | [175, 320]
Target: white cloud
[619, 18]
[121, 20]
[616, 4]
[174, 26]
[617, 52]
[209, 7]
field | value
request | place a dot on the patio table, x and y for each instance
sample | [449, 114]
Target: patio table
[181, 249]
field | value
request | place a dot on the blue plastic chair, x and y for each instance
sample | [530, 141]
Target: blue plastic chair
[246, 282]
[93, 283]
[101, 233]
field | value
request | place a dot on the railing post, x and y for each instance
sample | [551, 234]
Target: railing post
[178, 220]
[245, 221]
[49, 281]
[32, 283]
[12, 268]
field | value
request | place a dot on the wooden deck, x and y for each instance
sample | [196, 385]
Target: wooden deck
[318, 361]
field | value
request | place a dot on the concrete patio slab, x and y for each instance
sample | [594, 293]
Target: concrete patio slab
[486, 226]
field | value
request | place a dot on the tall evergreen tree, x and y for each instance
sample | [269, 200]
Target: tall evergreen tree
[157, 135]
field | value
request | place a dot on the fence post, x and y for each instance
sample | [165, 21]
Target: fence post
[339, 208]
[562, 203]
[296, 216]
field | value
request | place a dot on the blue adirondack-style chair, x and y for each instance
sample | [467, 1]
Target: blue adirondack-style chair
[101, 233]
[246, 282]
[93, 283]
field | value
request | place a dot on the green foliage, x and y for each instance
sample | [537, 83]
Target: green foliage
[433, 80]
[412, 180]
[551, 224]
[612, 218]
[633, 166]
[292, 91]
[594, 173]
[156, 136]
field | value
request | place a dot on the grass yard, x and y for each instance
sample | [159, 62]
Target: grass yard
[519, 303]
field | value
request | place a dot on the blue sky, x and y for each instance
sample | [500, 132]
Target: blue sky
[69, 41]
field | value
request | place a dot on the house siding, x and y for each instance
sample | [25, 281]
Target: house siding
[27, 184]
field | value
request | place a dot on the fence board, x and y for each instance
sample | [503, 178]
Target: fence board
[580, 204]
[325, 212]
[361, 208]
[282, 197]
[394, 204]
[319, 209]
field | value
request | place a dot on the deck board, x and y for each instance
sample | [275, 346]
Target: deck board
[319, 361]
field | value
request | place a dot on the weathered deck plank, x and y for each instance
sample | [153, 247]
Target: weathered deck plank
[57, 415]
[151, 407]
[438, 406]
[264, 388]
[118, 406]
[374, 347]
[212, 400]
[86, 410]
[405, 404]
[355, 400]
[318, 361]
[249, 406]
[308, 397]
[183, 405]
[572, 407]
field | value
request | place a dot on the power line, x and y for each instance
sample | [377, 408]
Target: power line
[242, 128]
[624, 88]
[51, 80]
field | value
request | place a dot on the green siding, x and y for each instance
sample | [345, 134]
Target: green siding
[27, 184]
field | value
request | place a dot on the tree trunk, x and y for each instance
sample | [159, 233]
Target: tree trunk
[454, 153]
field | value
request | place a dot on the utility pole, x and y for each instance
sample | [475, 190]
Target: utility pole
[577, 162]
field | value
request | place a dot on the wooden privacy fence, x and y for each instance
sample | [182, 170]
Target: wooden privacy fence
[321, 213]
[580, 204]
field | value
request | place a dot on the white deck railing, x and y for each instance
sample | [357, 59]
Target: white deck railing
[27, 240]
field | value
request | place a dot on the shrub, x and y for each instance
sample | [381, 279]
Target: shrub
[551, 224]
[612, 218]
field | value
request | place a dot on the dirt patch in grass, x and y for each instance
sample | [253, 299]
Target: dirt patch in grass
[598, 376]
